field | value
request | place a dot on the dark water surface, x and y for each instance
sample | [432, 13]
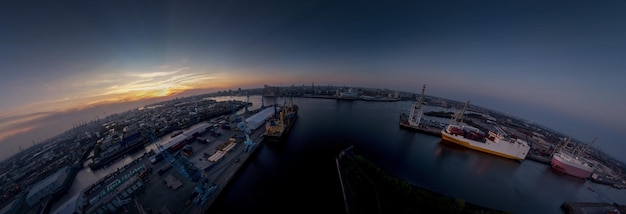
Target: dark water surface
[301, 172]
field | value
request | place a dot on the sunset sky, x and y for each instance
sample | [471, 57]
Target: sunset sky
[558, 63]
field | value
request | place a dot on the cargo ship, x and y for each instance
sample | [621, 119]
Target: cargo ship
[128, 144]
[414, 120]
[492, 143]
[277, 128]
[572, 163]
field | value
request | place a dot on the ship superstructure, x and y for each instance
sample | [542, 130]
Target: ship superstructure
[277, 127]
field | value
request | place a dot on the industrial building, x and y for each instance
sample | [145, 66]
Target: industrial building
[115, 193]
[199, 130]
[47, 186]
[257, 120]
[72, 206]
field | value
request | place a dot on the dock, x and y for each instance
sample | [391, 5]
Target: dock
[146, 187]
[538, 158]
[218, 164]
[430, 130]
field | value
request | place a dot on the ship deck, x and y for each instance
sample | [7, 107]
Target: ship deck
[450, 138]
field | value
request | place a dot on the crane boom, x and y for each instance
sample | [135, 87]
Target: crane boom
[183, 166]
[243, 126]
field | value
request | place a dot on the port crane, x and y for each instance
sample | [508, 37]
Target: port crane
[182, 165]
[188, 170]
[243, 126]
[458, 117]
[415, 118]
[247, 101]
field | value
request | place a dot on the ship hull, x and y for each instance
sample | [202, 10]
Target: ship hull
[562, 164]
[106, 160]
[426, 130]
[483, 147]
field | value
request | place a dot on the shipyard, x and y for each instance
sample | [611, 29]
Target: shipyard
[192, 148]
[213, 160]
[190, 159]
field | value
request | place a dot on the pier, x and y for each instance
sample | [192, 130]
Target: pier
[160, 187]
[217, 174]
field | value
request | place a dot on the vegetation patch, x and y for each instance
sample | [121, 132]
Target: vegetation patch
[368, 189]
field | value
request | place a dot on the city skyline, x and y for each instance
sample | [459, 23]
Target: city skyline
[555, 63]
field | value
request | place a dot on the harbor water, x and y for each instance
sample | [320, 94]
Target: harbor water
[301, 171]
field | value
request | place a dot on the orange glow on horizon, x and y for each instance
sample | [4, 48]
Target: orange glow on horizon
[102, 88]
[14, 131]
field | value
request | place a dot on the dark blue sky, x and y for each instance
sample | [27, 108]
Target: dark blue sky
[559, 63]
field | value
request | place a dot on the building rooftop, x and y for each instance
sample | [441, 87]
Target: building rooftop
[198, 129]
[259, 118]
[47, 181]
[68, 207]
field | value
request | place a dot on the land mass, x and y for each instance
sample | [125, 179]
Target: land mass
[369, 189]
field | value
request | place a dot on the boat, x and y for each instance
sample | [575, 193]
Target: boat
[277, 127]
[493, 143]
[571, 163]
[414, 120]
[128, 144]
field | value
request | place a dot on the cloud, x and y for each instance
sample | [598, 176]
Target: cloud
[13, 118]
[48, 87]
[11, 125]
[5, 133]
[155, 84]
[99, 87]
[156, 74]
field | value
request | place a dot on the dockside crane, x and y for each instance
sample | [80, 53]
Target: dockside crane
[243, 126]
[415, 118]
[247, 101]
[182, 165]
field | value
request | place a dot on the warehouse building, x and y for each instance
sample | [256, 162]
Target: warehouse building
[47, 186]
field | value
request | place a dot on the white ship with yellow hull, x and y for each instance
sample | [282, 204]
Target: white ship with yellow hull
[473, 138]
[513, 149]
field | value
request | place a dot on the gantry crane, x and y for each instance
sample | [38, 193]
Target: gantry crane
[243, 126]
[182, 165]
[247, 101]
